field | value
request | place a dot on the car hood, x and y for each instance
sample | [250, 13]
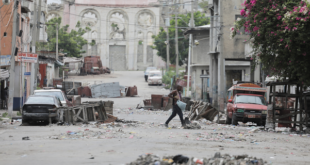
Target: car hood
[251, 106]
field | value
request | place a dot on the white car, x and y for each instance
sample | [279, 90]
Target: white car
[54, 92]
[155, 78]
[147, 71]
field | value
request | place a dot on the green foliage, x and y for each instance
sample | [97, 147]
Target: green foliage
[140, 42]
[159, 40]
[5, 114]
[114, 26]
[204, 4]
[93, 42]
[71, 42]
[167, 77]
[18, 114]
[279, 32]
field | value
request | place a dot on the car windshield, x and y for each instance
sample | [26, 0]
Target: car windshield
[40, 100]
[247, 99]
[150, 69]
[155, 75]
[51, 93]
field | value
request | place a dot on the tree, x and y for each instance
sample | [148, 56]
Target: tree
[71, 43]
[159, 40]
[204, 4]
[279, 32]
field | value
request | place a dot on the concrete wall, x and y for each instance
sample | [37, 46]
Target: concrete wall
[200, 62]
[229, 11]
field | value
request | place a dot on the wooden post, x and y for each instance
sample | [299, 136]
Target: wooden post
[273, 105]
[300, 110]
[306, 109]
[296, 106]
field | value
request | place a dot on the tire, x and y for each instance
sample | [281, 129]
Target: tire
[234, 119]
[228, 120]
[261, 123]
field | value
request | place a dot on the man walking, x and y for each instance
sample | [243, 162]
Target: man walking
[176, 95]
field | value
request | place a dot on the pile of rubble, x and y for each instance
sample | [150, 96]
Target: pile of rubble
[218, 159]
[205, 110]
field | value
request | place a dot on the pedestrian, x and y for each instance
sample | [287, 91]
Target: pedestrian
[176, 95]
[45, 82]
[5, 97]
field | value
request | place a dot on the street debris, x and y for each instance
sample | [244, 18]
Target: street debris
[193, 125]
[205, 110]
[218, 159]
[26, 138]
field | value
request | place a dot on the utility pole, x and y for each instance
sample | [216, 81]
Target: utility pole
[33, 75]
[176, 41]
[167, 25]
[190, 50]
[12, 68]
[38, 20]
[57, 68]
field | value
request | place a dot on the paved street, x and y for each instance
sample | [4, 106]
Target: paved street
[124, 142]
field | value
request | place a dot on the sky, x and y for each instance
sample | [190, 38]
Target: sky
[53, 1]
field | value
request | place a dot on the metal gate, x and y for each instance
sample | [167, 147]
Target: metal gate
[118, 57]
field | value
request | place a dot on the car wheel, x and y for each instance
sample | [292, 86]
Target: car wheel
[234, 119]
[261, 123]
[228, 120]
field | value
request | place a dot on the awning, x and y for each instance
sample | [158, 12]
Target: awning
[72, 60]
[4, 74]
[58, 63]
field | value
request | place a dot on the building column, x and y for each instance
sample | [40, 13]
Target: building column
[221, 83]
[144, 47]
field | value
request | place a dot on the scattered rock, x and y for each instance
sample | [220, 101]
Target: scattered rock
[193, 125]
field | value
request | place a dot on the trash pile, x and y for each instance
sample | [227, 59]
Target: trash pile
[218, 159]
[205, 110]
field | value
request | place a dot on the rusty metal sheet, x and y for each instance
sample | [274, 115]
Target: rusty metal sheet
[132, 91]
[156, 101]
[84, 91]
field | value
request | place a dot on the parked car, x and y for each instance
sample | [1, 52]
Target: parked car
[155, 78]
[37, 108]
[146, 73]
[247, 107]
[55, 92]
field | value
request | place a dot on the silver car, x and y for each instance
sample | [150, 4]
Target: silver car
[54, 92]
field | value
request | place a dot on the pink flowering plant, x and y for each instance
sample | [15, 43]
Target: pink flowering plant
[280, 35]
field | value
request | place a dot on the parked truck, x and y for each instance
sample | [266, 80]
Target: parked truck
[246, 103]
[93, 65]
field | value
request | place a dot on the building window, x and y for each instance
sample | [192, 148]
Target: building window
[5, 34]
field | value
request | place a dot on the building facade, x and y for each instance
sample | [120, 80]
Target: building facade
[121, 30]
[200, 62]
[228, 60]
